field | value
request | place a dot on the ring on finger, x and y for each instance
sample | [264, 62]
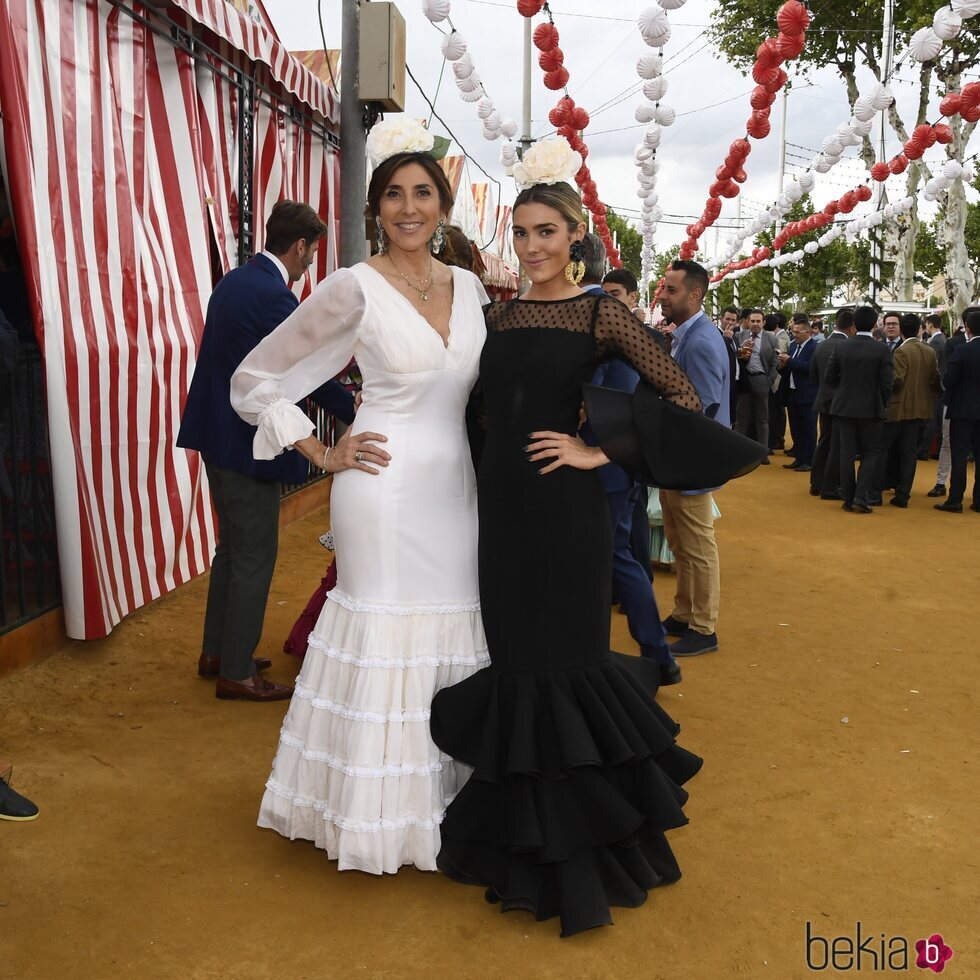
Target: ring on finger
[358, 456]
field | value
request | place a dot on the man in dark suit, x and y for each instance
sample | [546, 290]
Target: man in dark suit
[758, 359]
[632, 584]
[962, 382]
[825, 475]
[936, 340]
[892, 325]
[801, 393]
[914, 392]
[861, 373]
[729, 328]
[247, 305]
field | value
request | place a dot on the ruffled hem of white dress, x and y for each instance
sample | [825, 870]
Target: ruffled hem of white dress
[356, 771]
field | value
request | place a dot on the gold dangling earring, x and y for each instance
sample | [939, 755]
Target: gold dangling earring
[575, 270]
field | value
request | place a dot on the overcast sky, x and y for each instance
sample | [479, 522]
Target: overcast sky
[600, 53]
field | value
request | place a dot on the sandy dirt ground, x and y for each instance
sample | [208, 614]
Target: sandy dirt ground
[839, 724]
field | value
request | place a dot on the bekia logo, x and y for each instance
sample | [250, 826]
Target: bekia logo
[873, 952]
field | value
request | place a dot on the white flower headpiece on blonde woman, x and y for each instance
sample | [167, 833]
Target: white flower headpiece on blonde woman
[402, 134]
[548, 162]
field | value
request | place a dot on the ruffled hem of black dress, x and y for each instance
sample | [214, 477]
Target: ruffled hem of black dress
[576, 779]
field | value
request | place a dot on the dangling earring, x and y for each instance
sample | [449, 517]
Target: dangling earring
[575, 270]
[438, 240]
[382, 237]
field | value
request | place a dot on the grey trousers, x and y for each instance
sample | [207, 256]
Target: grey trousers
[753, 406]
[241, 573]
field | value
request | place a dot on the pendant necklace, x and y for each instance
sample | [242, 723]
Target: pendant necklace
[422, 290]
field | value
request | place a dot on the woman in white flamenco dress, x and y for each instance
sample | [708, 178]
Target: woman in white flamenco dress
[356, 771]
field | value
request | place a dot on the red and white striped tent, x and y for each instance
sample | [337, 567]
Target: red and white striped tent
[121, 138]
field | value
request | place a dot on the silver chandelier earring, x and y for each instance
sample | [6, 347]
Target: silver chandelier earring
[381, 236]
[438, 240]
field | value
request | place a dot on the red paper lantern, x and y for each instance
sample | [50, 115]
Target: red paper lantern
[943, 133]
[730, 189]
[764, 252]
[712, 209]
[779, 81]
[760, 98]
[793, 18]
[765, 75]
[898, 164]
[971, 113]
[848, 202]
[880, 171]
[545, 37]
[924, 136]
[567, 131]
[716, 188]
[768, 53]
[970, 94]
[556, 117]
[583, 150]
[723, 173]
[552, 59]
[913, 151]
[579, 118]
[791, 45]
[864, 193]
[740, 148]
[950, 104]
[758, 126]
[528, 8]
[600, 209]
[740, 176]
[557, 79]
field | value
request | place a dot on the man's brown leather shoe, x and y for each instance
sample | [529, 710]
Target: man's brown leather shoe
[262, 691]
[209, 664]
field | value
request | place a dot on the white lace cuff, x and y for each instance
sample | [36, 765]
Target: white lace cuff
[280, 424]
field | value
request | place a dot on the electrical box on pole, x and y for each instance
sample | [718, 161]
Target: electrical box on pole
[381, 56]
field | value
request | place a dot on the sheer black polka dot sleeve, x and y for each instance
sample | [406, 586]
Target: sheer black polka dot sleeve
[619, 333]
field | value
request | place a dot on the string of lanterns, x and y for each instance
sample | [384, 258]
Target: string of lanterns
[568, 118]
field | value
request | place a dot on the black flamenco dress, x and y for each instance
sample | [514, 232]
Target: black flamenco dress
[576, 774]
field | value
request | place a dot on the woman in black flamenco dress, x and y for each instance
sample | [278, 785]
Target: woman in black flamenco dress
[576, 774]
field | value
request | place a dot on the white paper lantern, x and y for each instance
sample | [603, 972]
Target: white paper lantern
[863, 109]
[832, 147]
[645, 112]
[863, 127]
[946, 23]
[966, 8]
[471, 96]
[952, 170]
[651, 166]
[453, 46]
[652, 23]
[508, 153]
[671, 4]
[881, 97]
[436, 10]
[665, 115]
[655, 89]
[509, 127]
[463, 67]
[471, 84]
[650, 65]
[642, 153]
[794, 192]
[888, 211]
[968, 172]
[491, 133]
[652, 136]
[925, 44]
[775, 211]
[807, 181]
[810, 248]
[484, 108]
[847, 136]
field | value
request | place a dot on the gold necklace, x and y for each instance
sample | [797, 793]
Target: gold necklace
[422, 290]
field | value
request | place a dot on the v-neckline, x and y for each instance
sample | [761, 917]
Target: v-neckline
[452, 307]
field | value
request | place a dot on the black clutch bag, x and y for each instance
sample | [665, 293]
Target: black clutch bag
[665, 446]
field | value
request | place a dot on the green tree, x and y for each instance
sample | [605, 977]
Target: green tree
[630, 241]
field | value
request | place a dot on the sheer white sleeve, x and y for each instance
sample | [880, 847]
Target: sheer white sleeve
[311, 346]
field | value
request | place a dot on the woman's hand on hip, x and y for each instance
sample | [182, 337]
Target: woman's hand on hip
[352, 452]
[561, 449]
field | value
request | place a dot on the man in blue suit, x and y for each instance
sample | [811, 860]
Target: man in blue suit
[699, 348]
[247, 305]
[631, 585]
[802, 392]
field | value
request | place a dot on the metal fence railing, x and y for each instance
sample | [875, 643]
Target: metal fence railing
[29, 583]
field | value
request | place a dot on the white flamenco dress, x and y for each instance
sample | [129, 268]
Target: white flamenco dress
[356, 771]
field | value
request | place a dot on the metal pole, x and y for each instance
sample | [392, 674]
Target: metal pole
[526, 131]
[887, 64]
[353, 166]
[777, 279]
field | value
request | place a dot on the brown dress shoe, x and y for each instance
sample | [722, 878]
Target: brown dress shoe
[263, 690]
[209, 664]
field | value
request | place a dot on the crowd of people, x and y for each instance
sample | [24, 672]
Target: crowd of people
[912, 395]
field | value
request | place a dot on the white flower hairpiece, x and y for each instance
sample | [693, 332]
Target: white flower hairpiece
[548, 162]
[402, 134]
